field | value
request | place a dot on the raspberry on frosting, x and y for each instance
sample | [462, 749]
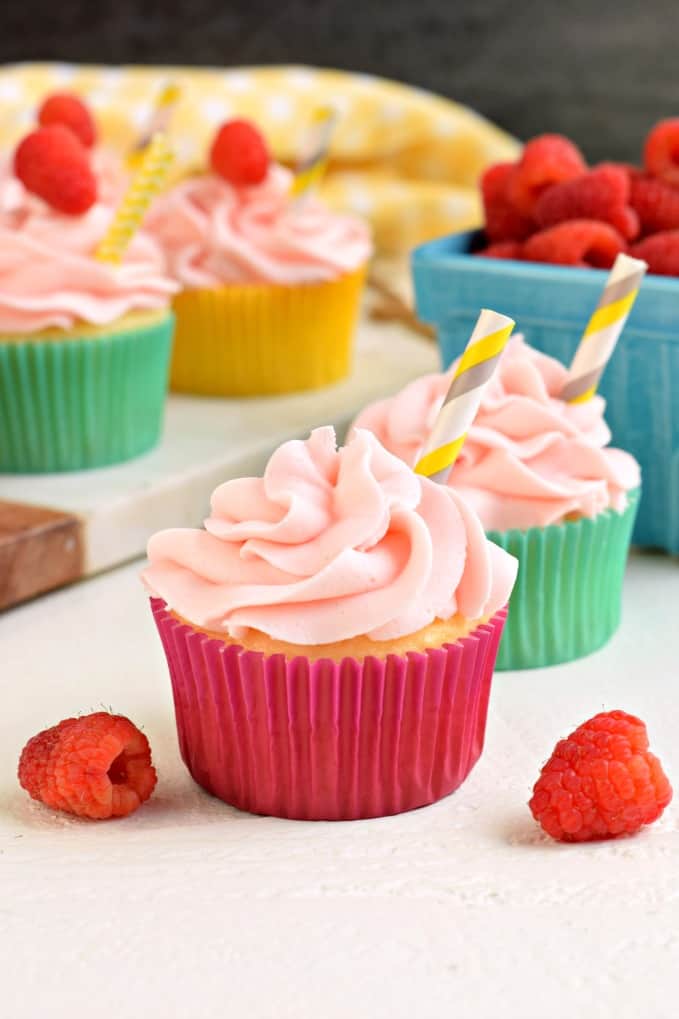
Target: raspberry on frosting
[70, 111]
[530, 459]
[331, 544]
[51, 163]
[239, 154]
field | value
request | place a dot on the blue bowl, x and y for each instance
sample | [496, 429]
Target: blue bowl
[551, 305]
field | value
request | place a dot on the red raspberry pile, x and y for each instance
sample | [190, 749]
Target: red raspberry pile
[53, 161]
[550, 206]
[601, 782]
[98, 766]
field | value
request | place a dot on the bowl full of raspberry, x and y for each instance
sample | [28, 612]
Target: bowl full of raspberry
[553, 228]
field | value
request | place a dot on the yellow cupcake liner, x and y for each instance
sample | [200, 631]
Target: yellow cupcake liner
[255, 339]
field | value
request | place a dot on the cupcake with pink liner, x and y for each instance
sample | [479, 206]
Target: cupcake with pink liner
[84, 345]
[547, 486]
[270, 283]
[331, 634]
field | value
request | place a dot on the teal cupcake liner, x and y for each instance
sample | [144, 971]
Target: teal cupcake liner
[72, 404]
[567, 598]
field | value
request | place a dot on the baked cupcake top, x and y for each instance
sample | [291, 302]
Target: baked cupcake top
[49, 277]
[216, 233]
[328, 545]
[530, 459]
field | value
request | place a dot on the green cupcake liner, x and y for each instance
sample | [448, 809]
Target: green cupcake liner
[566, 601]
[72, 404]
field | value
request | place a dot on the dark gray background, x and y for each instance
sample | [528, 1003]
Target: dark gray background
[601, 72]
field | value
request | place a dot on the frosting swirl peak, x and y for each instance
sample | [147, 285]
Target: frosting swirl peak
[213, 234]
[330, 544]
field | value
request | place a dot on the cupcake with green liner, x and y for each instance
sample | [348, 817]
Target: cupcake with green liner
[84, 345]
[547, 487]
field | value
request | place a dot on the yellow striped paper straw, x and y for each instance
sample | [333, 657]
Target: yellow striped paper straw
[603, 329]
[474, 370]
[147, 182]
[314, 161]
[159, 121]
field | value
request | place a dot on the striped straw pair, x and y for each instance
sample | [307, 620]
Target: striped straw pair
[483, 352]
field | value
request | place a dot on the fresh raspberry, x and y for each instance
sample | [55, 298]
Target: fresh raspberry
[661, 150]
[661, 251]
[239, 154]
[630, 169]
[51, 163]
[503, 221]
[601, 782]
[98, 766]
[656, 204]
[545, 160]
[70, 111]
[583, 242]
[603, 193]
[502, 249]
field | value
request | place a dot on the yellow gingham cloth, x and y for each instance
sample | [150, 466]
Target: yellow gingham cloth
[405, 159]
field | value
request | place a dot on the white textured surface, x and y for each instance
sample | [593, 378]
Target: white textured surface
[190, 909]
[206, 441]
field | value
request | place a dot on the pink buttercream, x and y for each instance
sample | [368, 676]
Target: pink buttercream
[530, 458]
[328, 545]
[213, 233]
[112, 175]
[49, 278]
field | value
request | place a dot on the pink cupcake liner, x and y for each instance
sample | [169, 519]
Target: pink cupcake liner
[328, 740]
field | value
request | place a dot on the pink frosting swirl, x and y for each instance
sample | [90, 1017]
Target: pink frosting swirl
[530, 459]
[112, 175]
[48, 277]
[213, 234]
[331, 544]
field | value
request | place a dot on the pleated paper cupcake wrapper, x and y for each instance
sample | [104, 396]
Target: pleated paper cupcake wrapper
[260, 339]
[328, 740]
[566, 602]
[84, 402]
